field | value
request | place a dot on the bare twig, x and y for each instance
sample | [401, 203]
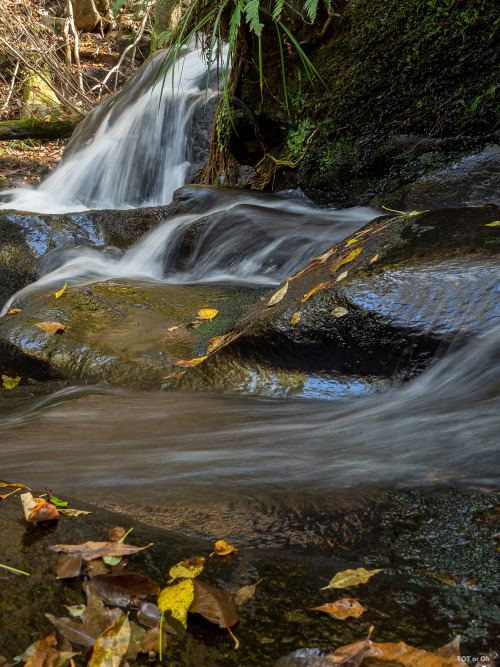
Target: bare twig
[77, 45]
[11, 88]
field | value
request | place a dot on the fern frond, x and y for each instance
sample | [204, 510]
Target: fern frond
[311, 8]
[278, 8]
[235, 21]
[252, 16]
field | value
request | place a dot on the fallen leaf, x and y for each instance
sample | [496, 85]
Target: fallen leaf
[177, 600]
[124, 589]
[215, 343]
[91, 550]
[51, 328]
[174, 328]
[15, 487]
[295, 318]
[342, 276]
[150, 642]
[277, 296]
[44, 653]
[13, 311]
[76, 610]
[208, 313]
[401, 655]
[10, 383]
[374, 259]
[58, 502]
[345, 608]
[245, 593]
[214, 604]
[339, 311]
[191, 362]
[351, 578]
[223, 549]
[69, 565]
[150, 615]
[111, 645]
[68, 511]
[350, 257]
[314, 290]
[38, 509]
[187, 569]
[61, 292]
[352, 241]
[496, 223]
[322, 258]
[116, 535]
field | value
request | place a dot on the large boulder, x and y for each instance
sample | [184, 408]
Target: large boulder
[85, 15]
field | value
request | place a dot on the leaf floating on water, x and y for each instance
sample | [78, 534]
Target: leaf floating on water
[177, 599]
[10, 383]
[111, 645]
[314, 290]
[295, 318]
[38, 509]
[350, 257]
[187, 569]
[496, 223]
[208, 313]
[51, 328]
[174, 328]
[191, 362]
[61, 292]
[345, 608]
[339, 311]
[374, 259]
[223, 549]
[277, 296]
[351, 578]
[92, 550]
[245, 593]
[342, 276]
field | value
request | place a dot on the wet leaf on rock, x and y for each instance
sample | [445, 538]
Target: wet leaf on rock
[61, 292]
[496, 223]
[277, 296]
[245, 593]
[68, 511]
[187, 569]
[314, 290]
[117, 534]
[177, 600]
[191, 362]
[339, 311]
[344, 608]
[124, 589]
[295, 318]
[322, 258]
[150, 642]
[208, 313]
[15, 487]
[91, 550]
[111, 645]
[216, 342]
[10, 383]
[174, 328]
[342, 276]
[402, 655]
[38, 509]
[51, 328]
[69, 565]
[374, 259]
[44, 653]
[216, 605]
[350, 257]
[351, 578]
[223, 549]
[13, 311]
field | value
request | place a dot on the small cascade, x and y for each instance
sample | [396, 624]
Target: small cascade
[133, 150]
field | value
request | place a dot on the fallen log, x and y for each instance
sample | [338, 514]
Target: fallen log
[34, 128]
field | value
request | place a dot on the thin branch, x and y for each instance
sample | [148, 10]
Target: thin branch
[11, 88]
[77, 45]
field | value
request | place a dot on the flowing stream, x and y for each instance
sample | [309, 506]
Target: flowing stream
[113, 444]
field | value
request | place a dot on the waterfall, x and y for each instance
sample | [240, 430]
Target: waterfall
[131, 151]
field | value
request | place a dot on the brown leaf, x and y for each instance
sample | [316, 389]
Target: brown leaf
[277, 296]
[401, 655]
[123, 589]
[116, 534]
[245, 593]
[150, 615]
[69, 565]
[352, 655]
[191, 362]
[295, 318]
[345, 608]
[314, 290]
[150, 642]
[214, 604]
[223, 549]
[216, 342]
[91, 550]
[111, 645]
[51, 328]
[38, 509]
[351, 578]
[44, 653]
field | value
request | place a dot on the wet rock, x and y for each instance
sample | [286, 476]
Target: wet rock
[117, 333]
[393, 296]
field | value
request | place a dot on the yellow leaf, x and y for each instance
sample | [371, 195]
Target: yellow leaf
[177, 599]
[351, 578]
[51, 328]
[339, 311]
[278, 295]
[314, 290]
[374, 259]
[350, 257]
[352, 241]
[191, 362]
[111, 645]
[295, 318]
[61, 292]
[10, 383]
[345, 608]
[493, 224]
[215, 343]
[208, 313]
[174, 328]
[342, 276]
[13, 311]
[223, 549]
[187, 569]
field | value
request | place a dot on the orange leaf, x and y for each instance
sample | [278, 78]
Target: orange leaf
[215, 343]
[314, 290]
[38, 509]
[223, 549]
[295, 318]
[191, 362]
[13, 311]
[374, 259]
[51, 328]
[345, 608]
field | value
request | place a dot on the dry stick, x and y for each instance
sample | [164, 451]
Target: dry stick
[77, 45]
[141, 30]
[30, 66]
[11, 89]
[67, 52]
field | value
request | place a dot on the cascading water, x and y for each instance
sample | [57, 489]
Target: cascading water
[133, 150]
